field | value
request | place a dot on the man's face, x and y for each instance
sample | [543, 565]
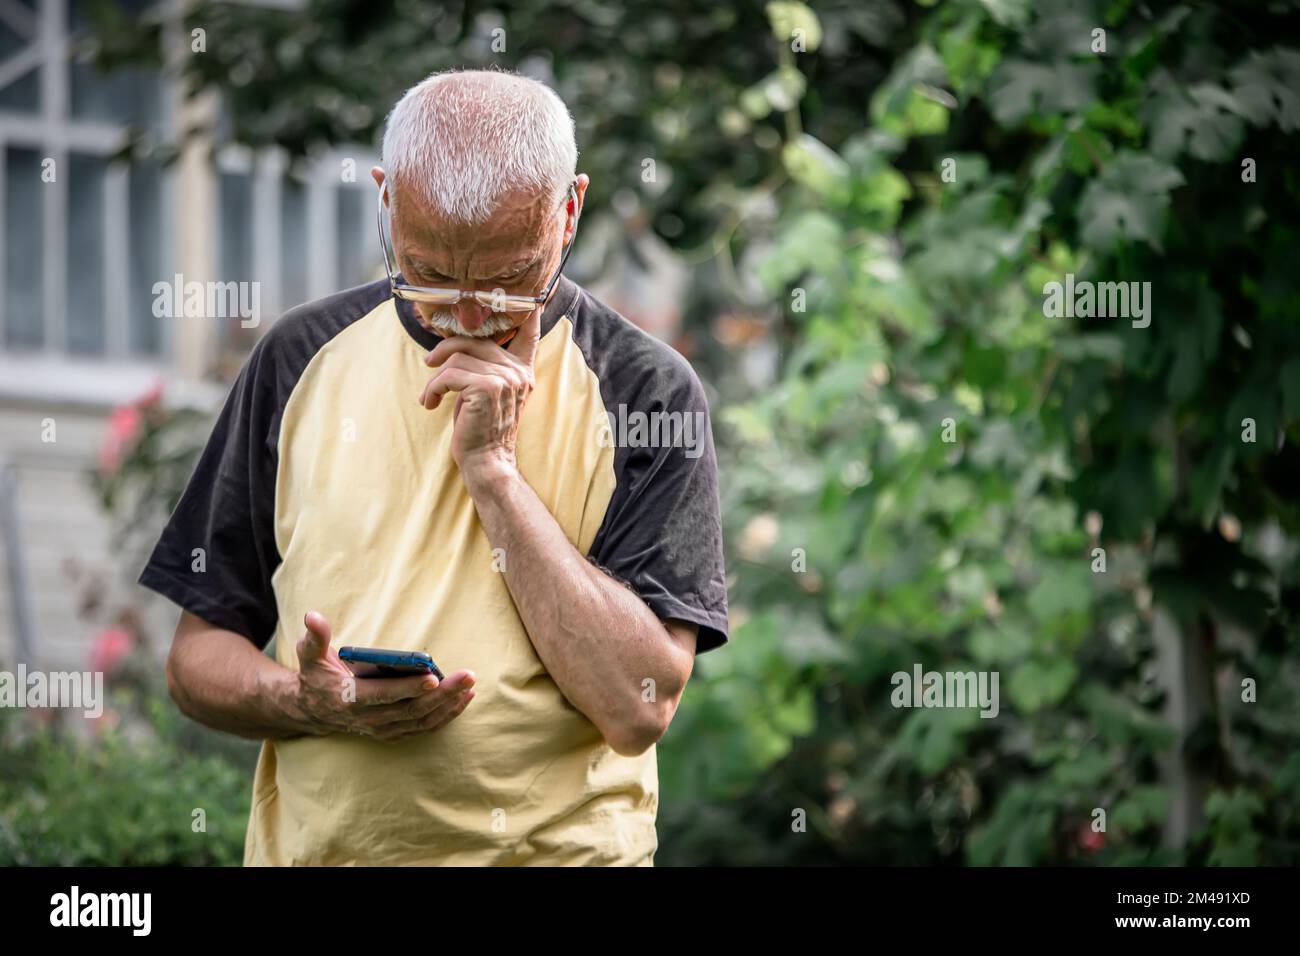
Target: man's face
[516, 252]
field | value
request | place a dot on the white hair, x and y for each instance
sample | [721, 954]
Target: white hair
[462, 140]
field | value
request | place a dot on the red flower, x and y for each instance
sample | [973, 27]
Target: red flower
[109, 647]
[1090, 840]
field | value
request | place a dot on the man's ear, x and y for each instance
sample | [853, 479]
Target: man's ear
[377, 174]
[580, 184]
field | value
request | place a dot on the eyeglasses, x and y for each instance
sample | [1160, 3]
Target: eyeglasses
[497, 300]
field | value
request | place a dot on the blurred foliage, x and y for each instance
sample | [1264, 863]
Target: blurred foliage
[884, 195]
[124, 797]
[122, 789]
[924, 308]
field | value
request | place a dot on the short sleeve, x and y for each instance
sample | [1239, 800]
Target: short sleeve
[217, 553]
[662, 533]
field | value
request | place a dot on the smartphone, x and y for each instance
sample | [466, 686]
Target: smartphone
[377, 662]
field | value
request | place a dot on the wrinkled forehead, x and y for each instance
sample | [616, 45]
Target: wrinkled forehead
[520, 220]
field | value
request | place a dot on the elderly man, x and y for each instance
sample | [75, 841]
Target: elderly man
[441, 461]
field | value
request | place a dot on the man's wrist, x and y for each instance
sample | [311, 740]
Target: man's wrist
[488, 474]
[284, 693]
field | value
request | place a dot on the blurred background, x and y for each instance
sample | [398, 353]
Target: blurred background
[846, 215]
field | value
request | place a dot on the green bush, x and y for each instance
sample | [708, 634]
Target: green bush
[121, 800]
[946, 459]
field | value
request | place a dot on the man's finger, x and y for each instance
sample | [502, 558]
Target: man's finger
[456, 380]
[315, 641]
[484, 349]
[524, 345]
[379, 691]
[472, 363]
[428, 697]
[431, 721]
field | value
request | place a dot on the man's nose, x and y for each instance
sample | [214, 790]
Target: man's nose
[470, 313]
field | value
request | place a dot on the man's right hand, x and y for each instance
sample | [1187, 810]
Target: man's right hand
[335, 700]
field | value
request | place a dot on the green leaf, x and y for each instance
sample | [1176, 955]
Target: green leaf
[934, 736]
[894, 104]
[1267, 87]
[813, 241]
[1006, 644]
[1142, 807]
[1060, 592]
[780, 90]
[1130, 200]
[787, 17]
[1203, 121]
[1008, 13]
[1095, 345]
[1035, 685]
[812, 163]
[1021, 88]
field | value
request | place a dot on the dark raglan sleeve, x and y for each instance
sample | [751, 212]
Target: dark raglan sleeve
[662, 533]
[217, 552]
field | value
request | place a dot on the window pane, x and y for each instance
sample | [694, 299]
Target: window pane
[236, 262]
[145, 256]
[19, 33]
[11, 41]
[127, 95]
[24, 235]
[355, 254]
[23, 95]
[236, 227]
[85, 320]
[293, 243]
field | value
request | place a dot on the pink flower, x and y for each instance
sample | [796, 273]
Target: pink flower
[109, 647]
[123, 429]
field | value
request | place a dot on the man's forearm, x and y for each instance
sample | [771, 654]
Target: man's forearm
[597, 639]
[222, 681]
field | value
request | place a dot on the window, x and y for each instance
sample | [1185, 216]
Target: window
[23, 239]
[18, 29]
[82, 236]
[146, 256]
[356, 245]
[293, 242]
[299, 233]
[82, 250]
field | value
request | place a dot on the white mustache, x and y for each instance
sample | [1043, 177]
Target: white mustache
[446, 323]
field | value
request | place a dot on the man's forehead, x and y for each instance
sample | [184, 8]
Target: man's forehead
[515, 212]
[473, 255]
[510, 240]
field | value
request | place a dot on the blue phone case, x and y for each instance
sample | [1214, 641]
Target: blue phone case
[401, 663]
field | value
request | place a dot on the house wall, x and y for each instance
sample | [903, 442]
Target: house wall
[60, 526]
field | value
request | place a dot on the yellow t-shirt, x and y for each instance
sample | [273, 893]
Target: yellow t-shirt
[326, 486]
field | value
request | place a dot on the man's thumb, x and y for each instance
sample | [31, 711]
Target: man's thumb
[316, 640]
